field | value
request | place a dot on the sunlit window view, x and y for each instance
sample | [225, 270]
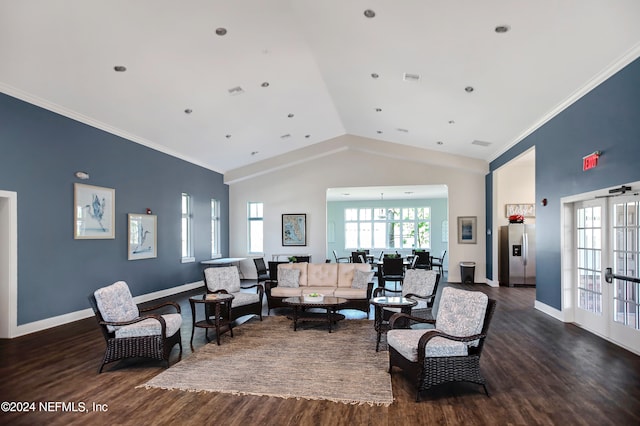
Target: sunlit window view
[387, 228]
[256, 228]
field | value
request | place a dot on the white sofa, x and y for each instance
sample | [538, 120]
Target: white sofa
[329, 279]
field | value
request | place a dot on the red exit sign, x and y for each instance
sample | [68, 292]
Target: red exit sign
[590, 161]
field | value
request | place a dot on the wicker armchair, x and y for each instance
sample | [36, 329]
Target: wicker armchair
[129, 334]
[226, 279]
[418, 284]
[449, 353]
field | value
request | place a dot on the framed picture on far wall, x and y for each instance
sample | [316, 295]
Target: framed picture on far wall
[467, 229]
[93, 212]
[142, 241]
[294, 229]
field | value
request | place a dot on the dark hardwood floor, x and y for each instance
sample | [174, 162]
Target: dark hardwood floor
[539, 371]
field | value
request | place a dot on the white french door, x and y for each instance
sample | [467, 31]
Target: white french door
[607, 234]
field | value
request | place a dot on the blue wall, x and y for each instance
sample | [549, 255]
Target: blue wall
[607, 119]
[39, 153]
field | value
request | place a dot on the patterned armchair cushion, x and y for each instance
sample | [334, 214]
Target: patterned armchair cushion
[223, 278]
[361, 279]
[288, 278]
[461, 312]
[242, 299]
[406, 343]
[419, 281]
[116, 304]
[151, 327]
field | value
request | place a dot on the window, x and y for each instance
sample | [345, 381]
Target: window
[255, 224]
[187, 229]
[385, 228]
[215, 228]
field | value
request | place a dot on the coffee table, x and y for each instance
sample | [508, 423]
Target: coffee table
[379, 303]
[328, 303]
[217, 321]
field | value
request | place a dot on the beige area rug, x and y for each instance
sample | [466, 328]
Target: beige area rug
[268, 358]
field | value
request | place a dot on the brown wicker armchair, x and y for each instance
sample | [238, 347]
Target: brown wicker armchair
[226, 279]
[129, 334]
[450, 353]
[419, 284]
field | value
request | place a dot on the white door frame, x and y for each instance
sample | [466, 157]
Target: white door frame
[8, 264]
[568, 250]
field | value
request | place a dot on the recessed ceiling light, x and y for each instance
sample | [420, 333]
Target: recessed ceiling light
[500, 29]
[468, 89]
[254, 152]
[120, 68]
[221, 31]
[452, 122]
[402, 130]
[265, 84]
[290, 115]
[307, 136]
[369, 13]
[440, 143]
[378, 109]
[227, 136]
[379, 132]
[374, 75]
[188, 111]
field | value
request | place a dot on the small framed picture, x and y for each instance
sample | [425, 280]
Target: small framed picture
[142, 241]
[93, 212]
[294, 229]
[467, 229]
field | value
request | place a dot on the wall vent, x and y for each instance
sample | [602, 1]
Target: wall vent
[481, 143]
[235, 91]
[402, 130]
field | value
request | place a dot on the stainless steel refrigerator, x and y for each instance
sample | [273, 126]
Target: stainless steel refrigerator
[517, 255]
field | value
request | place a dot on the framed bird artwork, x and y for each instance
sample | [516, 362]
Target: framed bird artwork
[142, 236]
[94, 212]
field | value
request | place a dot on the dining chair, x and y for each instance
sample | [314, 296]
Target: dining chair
[392, 270]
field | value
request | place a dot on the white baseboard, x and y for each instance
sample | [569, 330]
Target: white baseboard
[492, 283]
[552, 312]
[47, 323]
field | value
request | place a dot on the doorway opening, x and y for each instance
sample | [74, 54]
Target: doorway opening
[8, 264]
[387, 219]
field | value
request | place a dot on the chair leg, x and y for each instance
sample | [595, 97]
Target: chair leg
[485, 389]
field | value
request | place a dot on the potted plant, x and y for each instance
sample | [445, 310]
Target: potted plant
[292, 259]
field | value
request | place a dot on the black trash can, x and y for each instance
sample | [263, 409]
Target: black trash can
[467, 272]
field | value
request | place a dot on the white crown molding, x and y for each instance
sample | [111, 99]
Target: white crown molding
[66, 112]
[594, 82]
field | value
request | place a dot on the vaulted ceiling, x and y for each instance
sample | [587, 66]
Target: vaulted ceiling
[228, 83]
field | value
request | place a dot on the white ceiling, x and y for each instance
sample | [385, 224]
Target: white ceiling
[318, 58]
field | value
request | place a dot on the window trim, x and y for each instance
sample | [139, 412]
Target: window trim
[189, 257]
[251, 219]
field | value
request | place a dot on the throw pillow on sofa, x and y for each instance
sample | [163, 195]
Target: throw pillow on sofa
[361, 279]
[289, 278]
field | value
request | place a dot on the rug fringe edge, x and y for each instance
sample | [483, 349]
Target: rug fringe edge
[282, 396]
